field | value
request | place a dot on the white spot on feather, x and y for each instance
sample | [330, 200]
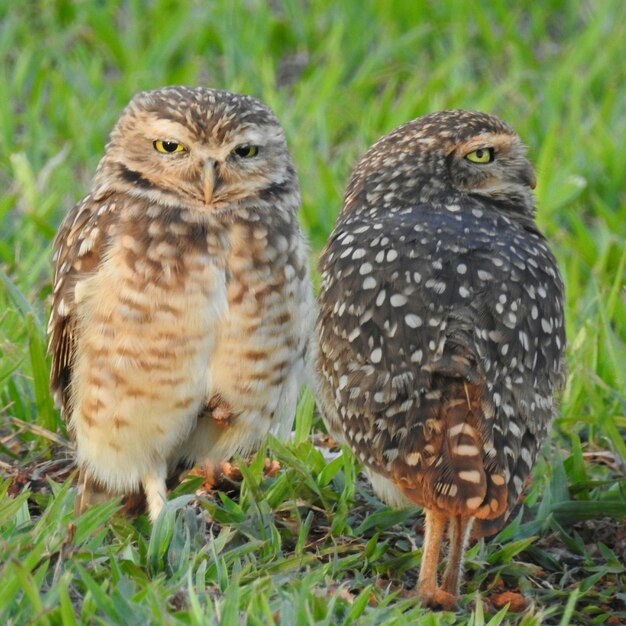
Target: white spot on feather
[398, 300]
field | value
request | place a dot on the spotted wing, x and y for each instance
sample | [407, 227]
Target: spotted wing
[78, 249]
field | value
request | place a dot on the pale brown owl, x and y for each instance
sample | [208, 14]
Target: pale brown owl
[441, 333]
[182, 302]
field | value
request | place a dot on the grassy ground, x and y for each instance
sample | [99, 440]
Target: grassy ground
[310, 544]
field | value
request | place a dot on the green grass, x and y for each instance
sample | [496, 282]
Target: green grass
[312, 545]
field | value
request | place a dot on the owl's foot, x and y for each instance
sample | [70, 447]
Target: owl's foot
[437, 599]
[212, 473]
[219, 475]
[218, 410]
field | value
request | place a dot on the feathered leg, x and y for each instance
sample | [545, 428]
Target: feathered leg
[156, 491]
[89, 492]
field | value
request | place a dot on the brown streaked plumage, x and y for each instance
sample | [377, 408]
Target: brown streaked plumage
[182, 303]
[441, 334]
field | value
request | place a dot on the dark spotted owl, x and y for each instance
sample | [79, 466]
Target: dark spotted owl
[441, 334]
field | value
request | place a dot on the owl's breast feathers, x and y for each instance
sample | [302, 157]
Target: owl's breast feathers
[441, 334]
[261, 344]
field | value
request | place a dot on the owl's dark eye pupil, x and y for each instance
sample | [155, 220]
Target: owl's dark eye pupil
[170, 146]
[246, 151]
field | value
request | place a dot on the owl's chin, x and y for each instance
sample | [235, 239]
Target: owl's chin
[190, 204]
[195, 209]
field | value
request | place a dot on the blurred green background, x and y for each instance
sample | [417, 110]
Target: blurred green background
[338, 75]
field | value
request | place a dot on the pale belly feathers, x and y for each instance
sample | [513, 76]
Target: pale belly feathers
[153, 354]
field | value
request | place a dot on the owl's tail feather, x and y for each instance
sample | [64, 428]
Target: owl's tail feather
[441, 467]
[462, 468]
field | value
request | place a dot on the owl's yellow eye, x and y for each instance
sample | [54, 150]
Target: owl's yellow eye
[482, 155]
[168, 147]
[246, 151]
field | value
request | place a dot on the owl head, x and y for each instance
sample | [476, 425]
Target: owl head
[205, 149]
[446, 157]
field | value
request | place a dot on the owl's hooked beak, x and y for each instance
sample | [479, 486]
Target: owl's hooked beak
[528, 176]
[208, 179]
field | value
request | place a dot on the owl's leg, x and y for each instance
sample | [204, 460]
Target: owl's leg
[427, 589]
[155, 489]
[458, 533]
[89, 492]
